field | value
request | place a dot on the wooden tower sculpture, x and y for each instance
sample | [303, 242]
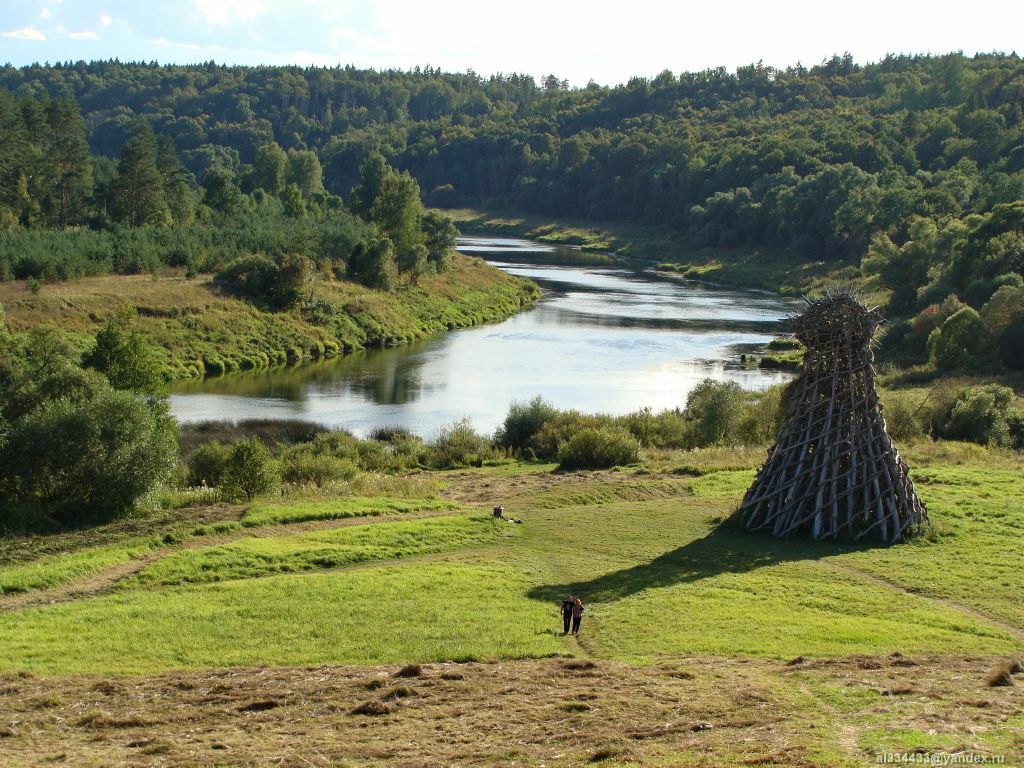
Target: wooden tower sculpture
[833, 472]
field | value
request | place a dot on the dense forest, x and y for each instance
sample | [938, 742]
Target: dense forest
[910, 169]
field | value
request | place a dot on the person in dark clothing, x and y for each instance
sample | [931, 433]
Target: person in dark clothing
[567, 606]
[577, 616]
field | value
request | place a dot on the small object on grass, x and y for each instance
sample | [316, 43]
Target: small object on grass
[259, 706]
[401, 692]
[1000, 676]
[372, 708]
[410, 670]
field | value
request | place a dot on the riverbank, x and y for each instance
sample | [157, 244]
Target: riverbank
[772, 270]
[200, 331]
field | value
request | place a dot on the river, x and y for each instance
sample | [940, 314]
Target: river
[602, 339]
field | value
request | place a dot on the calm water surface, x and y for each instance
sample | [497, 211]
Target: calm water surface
[602, 339]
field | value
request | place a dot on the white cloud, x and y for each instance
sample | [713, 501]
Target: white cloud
[83, 36]
[165, 43]
[25, 33]
[219, 12]
[106, 19]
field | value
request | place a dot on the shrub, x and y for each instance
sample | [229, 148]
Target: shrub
[981, 414]
[714, 410]
[304, 467]
[902, 418]
[598, 448]
[523, 421]
[206, 464]
[459, 445]
[549, 439]
[80, 461]
[961, 343]
[762, 416]
[249, 471]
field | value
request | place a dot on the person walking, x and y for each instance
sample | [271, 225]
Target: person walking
[577, 616]
[567, 606]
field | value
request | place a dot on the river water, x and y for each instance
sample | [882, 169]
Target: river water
[602, 339]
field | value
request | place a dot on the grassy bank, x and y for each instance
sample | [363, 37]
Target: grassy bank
[201, 331]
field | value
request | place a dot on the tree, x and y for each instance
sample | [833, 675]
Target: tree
[89, 460]
[270, 168]
[125, 357]
[305, 172]
[373, 263]
[962, 342]
[221, 192]
[397, 210]
[372, 173]
[714, 410]
[248, 471]
[439, 236]
[138, 188]
[177, 192]
[69, 163]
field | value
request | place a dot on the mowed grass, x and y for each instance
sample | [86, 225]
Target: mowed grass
[419, 611]
[252, 557]
[661, 570]
[338, 509]
[55, 570]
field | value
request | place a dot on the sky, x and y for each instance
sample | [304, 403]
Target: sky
[608, 42]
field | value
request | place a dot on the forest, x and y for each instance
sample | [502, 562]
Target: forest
[909, 170]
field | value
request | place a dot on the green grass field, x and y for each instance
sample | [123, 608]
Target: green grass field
[856, 649]
[660, 573]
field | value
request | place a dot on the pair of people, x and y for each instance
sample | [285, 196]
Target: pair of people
[572, 615]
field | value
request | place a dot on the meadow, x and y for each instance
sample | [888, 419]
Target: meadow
[697, 640]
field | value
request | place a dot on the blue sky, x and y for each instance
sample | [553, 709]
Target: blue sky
[606, 41]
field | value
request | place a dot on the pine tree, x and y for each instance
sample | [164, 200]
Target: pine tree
[68, 164]
[138, 190]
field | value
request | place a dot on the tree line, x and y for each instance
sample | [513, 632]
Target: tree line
[67, 213]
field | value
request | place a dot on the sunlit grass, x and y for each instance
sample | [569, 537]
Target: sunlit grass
[55, 570]
[317, 550]
[273, 513]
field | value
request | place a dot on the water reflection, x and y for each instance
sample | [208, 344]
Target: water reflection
[602, 339]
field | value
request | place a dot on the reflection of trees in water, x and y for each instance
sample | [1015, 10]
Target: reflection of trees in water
[383, 376]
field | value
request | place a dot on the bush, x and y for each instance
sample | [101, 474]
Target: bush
[598, 448]
[249, 471]
[206, 464]
[962, 342]
[762, 416]
[523, 421]
[548, 441]
[90, 460]
[459, 445]
[303, 467]
[714, 410]
[902, 418]
[981, 414]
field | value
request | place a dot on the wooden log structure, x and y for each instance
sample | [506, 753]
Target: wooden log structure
[833, 471]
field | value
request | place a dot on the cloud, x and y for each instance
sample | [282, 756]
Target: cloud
[83, 36]
[25, 33]
[106, 19]
[165, 43]
[220, 12]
